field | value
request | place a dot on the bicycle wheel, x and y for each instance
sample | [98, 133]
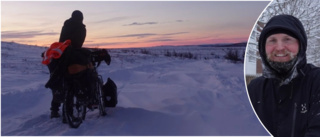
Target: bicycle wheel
[100, 96]
[74, 109]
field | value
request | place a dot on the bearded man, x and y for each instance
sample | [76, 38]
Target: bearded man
[286, 98]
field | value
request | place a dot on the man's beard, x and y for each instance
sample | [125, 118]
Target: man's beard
[283, 67]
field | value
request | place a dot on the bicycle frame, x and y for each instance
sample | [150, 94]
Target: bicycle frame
[74, 106]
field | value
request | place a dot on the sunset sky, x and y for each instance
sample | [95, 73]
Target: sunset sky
[123, 24]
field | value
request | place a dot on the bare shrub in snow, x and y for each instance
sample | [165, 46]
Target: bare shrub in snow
[233, 55]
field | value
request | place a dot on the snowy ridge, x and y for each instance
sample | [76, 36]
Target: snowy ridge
[158, 95]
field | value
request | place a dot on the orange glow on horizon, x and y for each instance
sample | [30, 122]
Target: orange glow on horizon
[109, 45]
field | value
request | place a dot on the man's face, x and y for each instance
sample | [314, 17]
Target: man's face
[281, 47]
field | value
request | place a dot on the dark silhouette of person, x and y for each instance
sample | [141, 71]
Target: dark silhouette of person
[73, 29]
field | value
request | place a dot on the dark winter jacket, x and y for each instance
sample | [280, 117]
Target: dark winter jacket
[74, 30]
[288, 105]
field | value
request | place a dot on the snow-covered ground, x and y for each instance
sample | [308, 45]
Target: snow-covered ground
[159, 94]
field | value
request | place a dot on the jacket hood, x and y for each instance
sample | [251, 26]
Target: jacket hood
[75, 20]
[77, 16]
[293, 25]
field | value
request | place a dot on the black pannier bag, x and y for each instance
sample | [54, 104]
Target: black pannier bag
[110, 92]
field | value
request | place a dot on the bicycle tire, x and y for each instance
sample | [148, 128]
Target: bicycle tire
[74, 109]
[100, 96]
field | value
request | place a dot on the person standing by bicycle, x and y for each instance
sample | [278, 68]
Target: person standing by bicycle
[74, 30]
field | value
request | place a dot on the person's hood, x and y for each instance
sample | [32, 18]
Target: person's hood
[77, 16]
[75, 20]
[292, 24]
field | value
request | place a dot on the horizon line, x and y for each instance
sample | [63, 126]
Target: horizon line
[101, 47]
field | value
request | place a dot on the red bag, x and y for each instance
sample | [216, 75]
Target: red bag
[55, 51]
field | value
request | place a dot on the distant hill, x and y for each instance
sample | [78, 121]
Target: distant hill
[243, 44]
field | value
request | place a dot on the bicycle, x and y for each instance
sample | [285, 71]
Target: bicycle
[83, 90]
[75, 79]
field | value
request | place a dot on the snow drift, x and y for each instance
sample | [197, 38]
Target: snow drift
[158, 94]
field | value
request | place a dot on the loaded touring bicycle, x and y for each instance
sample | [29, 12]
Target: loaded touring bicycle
[74, 77]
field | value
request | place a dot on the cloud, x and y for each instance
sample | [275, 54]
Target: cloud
[148, 23]
[166, 37]
[235, 39]
[176, 33]
[141, 23]
[142, 35]
[108, 44]
[25, 34]
[161, 40]
[115, 19]
[111, 45]
[179, 20]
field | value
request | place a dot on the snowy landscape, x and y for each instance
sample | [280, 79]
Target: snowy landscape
[165, 90]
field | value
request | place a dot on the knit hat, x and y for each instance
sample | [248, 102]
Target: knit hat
[280, 30]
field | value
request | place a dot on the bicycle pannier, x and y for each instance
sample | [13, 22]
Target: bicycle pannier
[110, 92]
